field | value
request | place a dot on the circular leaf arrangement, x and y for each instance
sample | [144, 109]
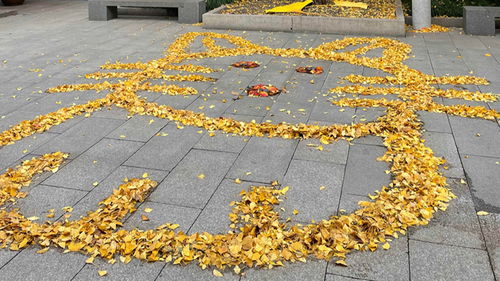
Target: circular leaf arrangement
[261, 90]
[258, 236]
[245, 64]
[310, 69]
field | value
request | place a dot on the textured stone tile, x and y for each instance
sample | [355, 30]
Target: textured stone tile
[465, 131]
[214, 218]
[382, 264]
[227, 142]
[81, 137]
[332, 153]
[457, 226]
[51, 266]
[292, 113]
[161, 214]
[164, 152]
[364, 174]
[43, 198]
[81, 173]
[119, 271]
[5, 256]
[328, 112]
[305, 179]
[113, 181]
[444, 146]
[429, 261]
[138, 128]
[311, 270]
[266, 158]
[192, 272]
[349, 203]
[251, 106]
[484, 175]
[435, 122]
[183, 186]
[490, 225]
[332, 277]
[12, 153]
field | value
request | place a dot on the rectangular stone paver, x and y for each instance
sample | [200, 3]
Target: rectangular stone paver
[215, 216]
[110, 183]
[306, 195]
[443, 145]
[490, 226]
[51, 266]
[364, 174]
[484, 175]
[430, 261]
[81, 137]
[164, 152]
[382, 264]
[457, 226]
[193, 181]
[138, 128]
[265, 158]
[466, 132]
[94, 165]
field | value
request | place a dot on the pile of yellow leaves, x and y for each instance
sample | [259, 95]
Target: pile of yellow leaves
[431, 29]
[259, 237]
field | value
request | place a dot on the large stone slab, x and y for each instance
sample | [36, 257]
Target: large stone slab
[94, 165]
[483, 174]
[382, 264]
[430, 261]
[183, 186]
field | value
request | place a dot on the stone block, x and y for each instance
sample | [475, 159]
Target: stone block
[184, 187]
[430, 261]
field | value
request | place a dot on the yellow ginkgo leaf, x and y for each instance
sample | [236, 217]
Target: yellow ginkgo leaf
[290, 8]
[482, 213]
[217, 273]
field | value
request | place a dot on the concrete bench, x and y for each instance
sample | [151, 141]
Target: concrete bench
[190, 11]
[480, 20]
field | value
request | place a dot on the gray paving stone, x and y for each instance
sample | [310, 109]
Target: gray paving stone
[292, 113]
[214, 218]
[164, 152]
[227, 142]
[53, 265]
[382, 264]
[266, 158]
[349, 203]
[483, 174]
[192, 272]
[183, 185]
[94, 165]
[328, 112]
[113, 181]
[251, 106]
[430, 261]
[81, 137]
[457, 226]
[139, 128]
[364, 174]
[6, 255]
[11, 153]
[465, 131]
[305, 179]
[178, 102]
[490, 226]
[443, 145]
[120, 271]
[332, 277]
[161, 214]
[335, 152]
[435, 122]
[43, 198]
[310, 270]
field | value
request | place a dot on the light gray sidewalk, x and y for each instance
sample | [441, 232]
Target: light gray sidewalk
[51, 43]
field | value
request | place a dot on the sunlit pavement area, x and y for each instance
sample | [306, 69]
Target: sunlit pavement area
[50, 43]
